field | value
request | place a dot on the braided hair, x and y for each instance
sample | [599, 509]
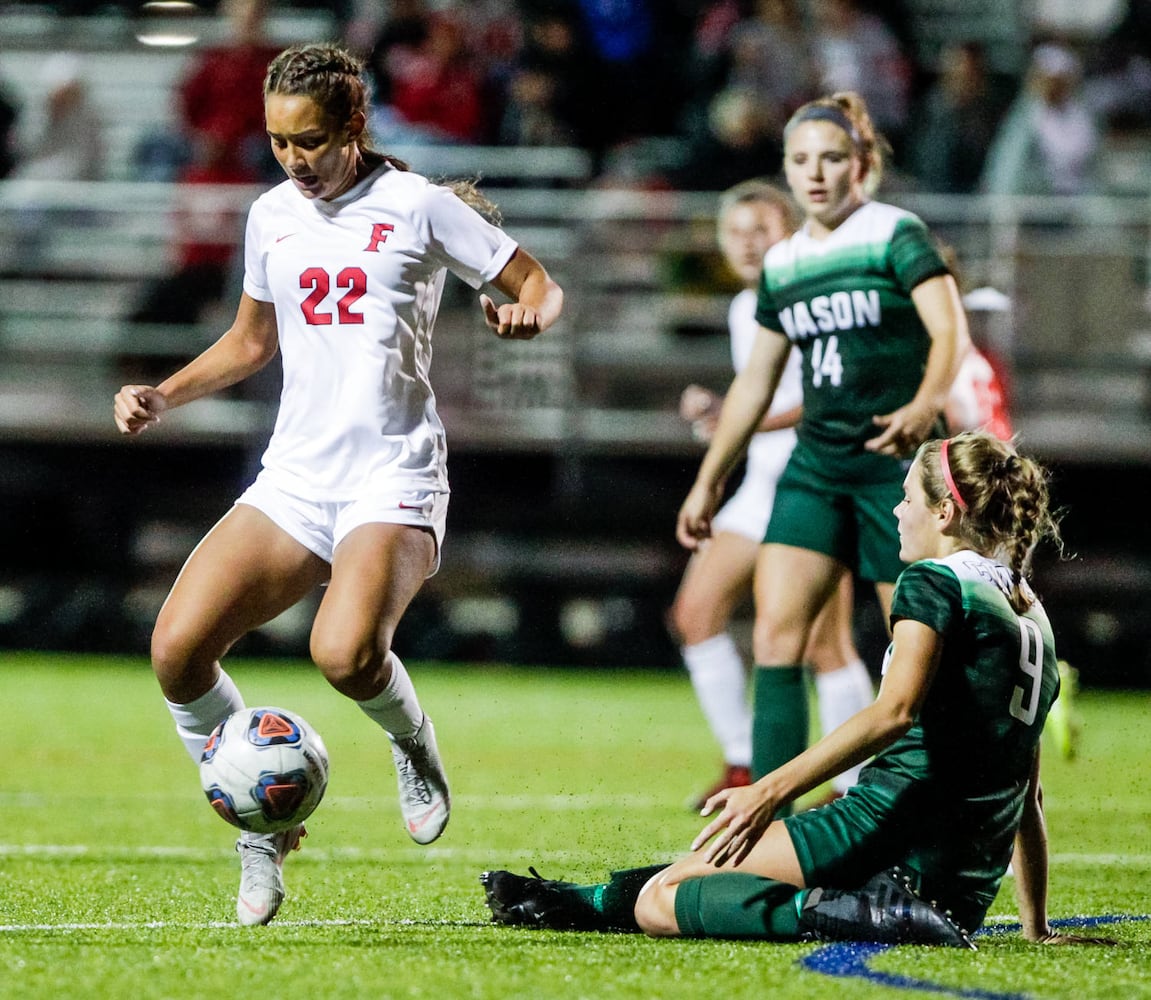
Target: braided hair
[1001, 497]
[333, 78]
[330, 76]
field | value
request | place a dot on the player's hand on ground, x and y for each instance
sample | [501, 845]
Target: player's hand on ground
[512, 320]
[903, 430]
[745, 813]
[693, 525]
[136, 407]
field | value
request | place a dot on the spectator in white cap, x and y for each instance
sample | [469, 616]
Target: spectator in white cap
[1049, 141]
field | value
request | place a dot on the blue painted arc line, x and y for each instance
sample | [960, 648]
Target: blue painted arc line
[849, 960]
[1080, 923]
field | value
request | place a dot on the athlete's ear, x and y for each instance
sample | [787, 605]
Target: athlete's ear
[356, 125]
[947, 516]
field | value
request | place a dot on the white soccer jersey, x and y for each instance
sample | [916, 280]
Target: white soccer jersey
[747, 511]
[356, 284]
[768, 451]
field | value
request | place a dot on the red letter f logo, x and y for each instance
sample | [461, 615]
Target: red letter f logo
[380, 232]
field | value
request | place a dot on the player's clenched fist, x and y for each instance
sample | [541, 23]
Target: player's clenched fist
[137, 406]
[512, 320]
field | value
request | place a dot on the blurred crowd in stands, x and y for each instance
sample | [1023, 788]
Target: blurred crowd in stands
[662, 93]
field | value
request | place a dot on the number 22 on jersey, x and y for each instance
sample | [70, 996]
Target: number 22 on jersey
[317, 306]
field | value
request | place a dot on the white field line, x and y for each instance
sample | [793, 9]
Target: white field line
[473, 803]
[154, 925]
[404, 851]
[491, 856]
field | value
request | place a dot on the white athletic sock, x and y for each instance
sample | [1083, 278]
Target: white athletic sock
[196, 720]
[396, 709]
[720, 682]
[841, 694]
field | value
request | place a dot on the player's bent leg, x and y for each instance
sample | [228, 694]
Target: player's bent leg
[734, 904]
[832, 640]
[791, 587]
[655, 909]
[662, 912]
[376, 571]
[717, 578]
[843, 685]
[243, 573]
[195, 720]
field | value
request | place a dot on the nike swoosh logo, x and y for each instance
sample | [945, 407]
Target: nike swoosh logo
[410, 506]
[416, 825]
[280, 239]
[258, 911]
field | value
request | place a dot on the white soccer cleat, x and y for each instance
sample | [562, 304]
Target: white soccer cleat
[261, 873]
[425, 803]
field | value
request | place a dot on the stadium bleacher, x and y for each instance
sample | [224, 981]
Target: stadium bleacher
[591, 403]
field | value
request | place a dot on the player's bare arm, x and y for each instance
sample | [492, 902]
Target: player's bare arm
[248, 345]
[536, 299]
[700, 407]
[746, 812]
[938, 304]
[743, 409]
[1030, 865]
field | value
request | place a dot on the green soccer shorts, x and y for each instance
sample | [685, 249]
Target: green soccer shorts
[852, 523]
[841, 845]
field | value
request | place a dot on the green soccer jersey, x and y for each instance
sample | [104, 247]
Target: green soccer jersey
[958, 777]
[845, 302]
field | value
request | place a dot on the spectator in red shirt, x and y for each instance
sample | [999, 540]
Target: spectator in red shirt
[219, 98]
[435, 83]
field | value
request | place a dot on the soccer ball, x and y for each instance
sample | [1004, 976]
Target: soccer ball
[264, 769]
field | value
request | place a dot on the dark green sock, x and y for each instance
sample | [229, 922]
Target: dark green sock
[615, 900]
[779, 719]
[735, 905]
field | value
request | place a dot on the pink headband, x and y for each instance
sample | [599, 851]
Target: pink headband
[948, 478]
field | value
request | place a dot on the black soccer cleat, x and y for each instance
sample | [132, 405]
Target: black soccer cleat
[518, 900]
[883, 910]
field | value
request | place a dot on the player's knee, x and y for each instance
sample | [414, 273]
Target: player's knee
[655, 910]
[181, 660]
[680, 621]
[168, 651]
[353, 666]
[826, 652]
[693, 619]
[779, 642]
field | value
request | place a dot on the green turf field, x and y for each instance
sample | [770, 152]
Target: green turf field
[117, 879]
